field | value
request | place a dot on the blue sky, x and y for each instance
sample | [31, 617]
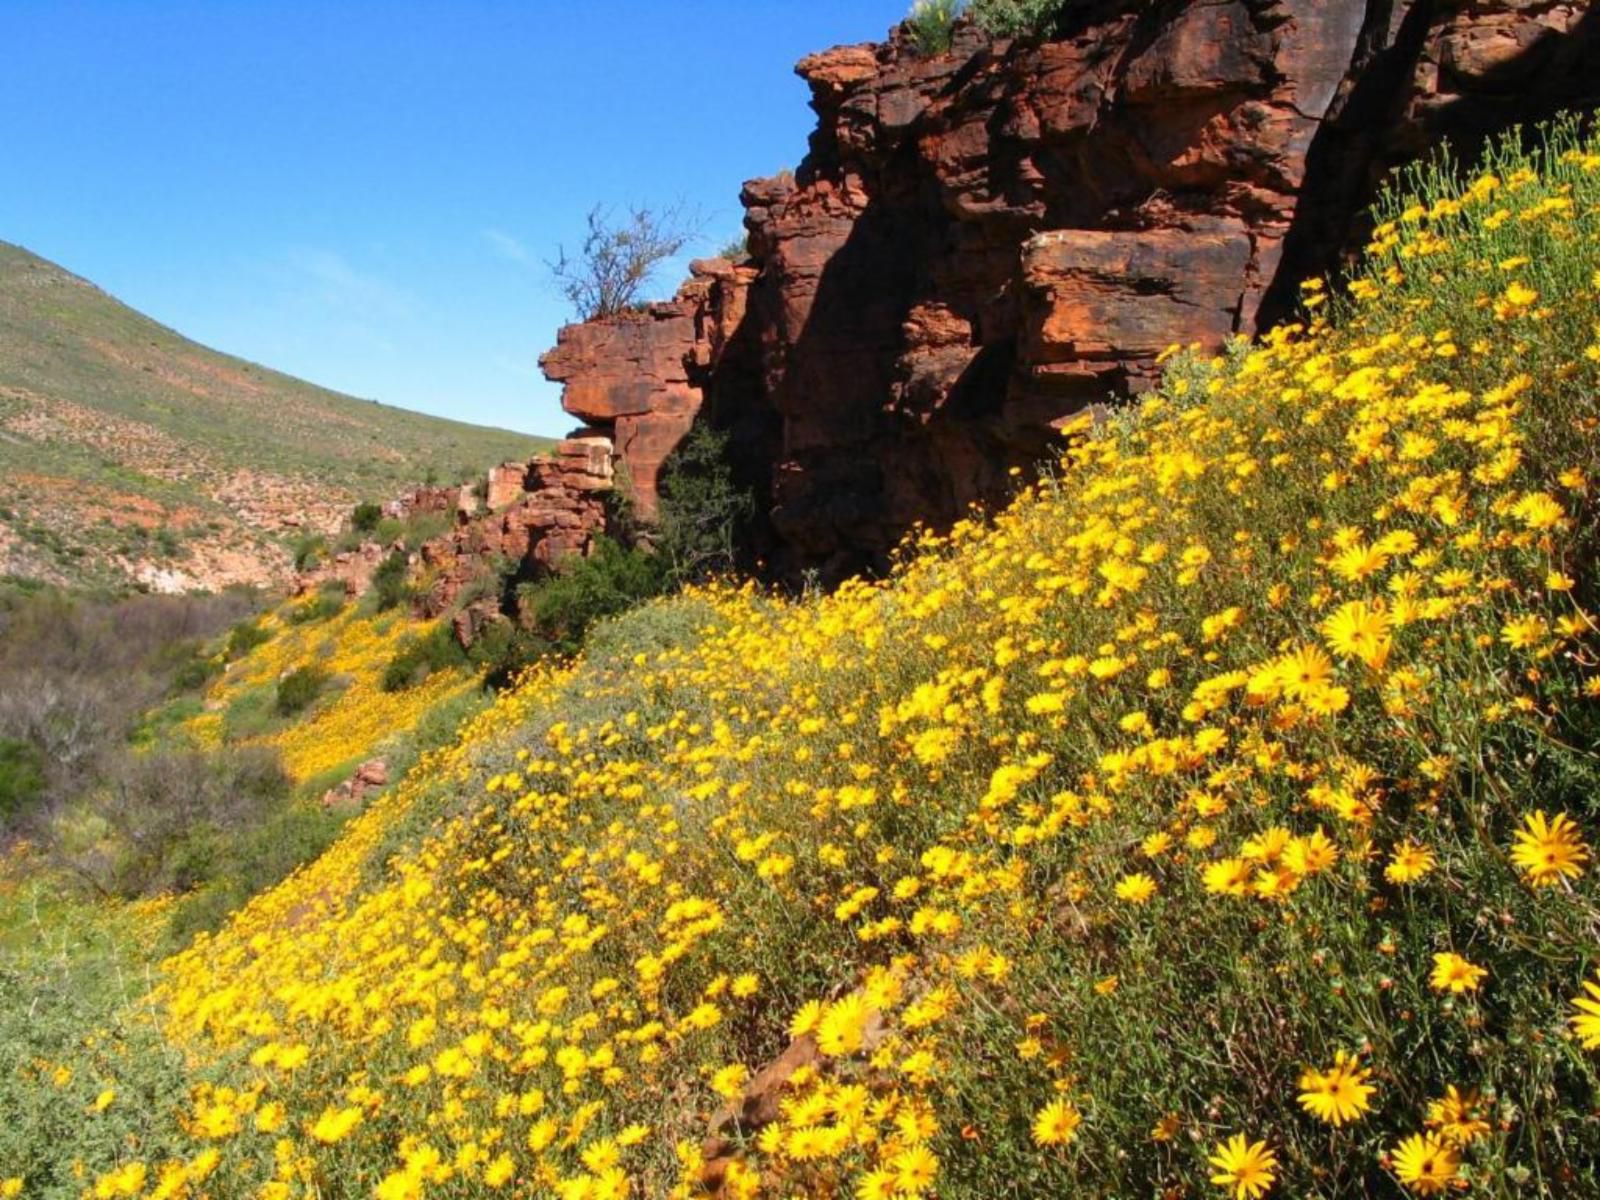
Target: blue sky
[362, 193]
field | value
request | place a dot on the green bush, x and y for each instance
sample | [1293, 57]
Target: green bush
[328, 602]
[503, 650]
[389, 582]
[245, 637]
[702, 510]
[423, 527]
[247, 864]
[929, 24]
[1016, 18]
[609, 580]
[193, 675]
[421, 655]
[22, 779]
[309, 550]
[298, 690]
[365, 516]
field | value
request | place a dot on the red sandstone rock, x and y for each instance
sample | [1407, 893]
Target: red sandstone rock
[981, 243]
[630, 375]
[538, 513]
[352, 568]
[756, 1107]
[370, 776]
[506, 483]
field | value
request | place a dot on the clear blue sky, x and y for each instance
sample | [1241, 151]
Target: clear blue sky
[362, 193]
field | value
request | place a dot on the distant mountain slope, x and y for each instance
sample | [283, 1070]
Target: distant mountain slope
[128, 452]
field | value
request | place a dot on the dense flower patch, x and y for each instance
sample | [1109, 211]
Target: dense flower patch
[353, 648]
[1217, 820]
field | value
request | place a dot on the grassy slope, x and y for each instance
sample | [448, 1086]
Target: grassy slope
[1087, 842]
[113, 427]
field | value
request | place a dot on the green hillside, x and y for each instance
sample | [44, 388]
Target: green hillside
[128, 452]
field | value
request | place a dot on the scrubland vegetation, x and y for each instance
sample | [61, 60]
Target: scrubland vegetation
[929, 22]
[1216, 820]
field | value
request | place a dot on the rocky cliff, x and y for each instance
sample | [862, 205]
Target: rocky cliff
[517, 524]
[980, 244]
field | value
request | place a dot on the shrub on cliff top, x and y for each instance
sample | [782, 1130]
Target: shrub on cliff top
[1016, 18]
[930, 22]
[618, 258]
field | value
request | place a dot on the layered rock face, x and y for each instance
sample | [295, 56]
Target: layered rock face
[979, 245]
[538, 513]
[642, 377]
[532, 516]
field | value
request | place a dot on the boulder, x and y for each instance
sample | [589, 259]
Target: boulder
[371, 776]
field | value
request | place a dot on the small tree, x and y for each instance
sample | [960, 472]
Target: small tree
[702, 509]
[389, 581]
[617, 260]
[365, 516]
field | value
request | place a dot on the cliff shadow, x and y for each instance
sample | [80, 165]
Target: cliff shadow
[1365, 142]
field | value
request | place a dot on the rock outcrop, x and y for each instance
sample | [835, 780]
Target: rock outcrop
[538, 513]
[371, 777]
[981, 243]
[518, 524]
[640, 378]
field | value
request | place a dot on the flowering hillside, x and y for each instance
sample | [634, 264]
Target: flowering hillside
[352, 648]
[1215, 821]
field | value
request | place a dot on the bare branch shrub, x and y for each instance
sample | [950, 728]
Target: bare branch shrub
[609, 272]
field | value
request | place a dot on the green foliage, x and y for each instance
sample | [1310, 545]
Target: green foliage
[243, 638]
[702, 509]
[609, 580]
[250, 714]
[365, 516]
[651, 628]
[328, 602]
[503, 651]
[389, 582]
[422, 527]
[196, 673]
[308, 550]
[736, 249]
[1016, 18]
[22, 779]
[929, 24]
[252, 860]
[420, 655]
[299, 689]
[71, 991]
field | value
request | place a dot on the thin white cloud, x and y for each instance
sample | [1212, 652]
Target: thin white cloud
[507, 246]
[340, 287]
